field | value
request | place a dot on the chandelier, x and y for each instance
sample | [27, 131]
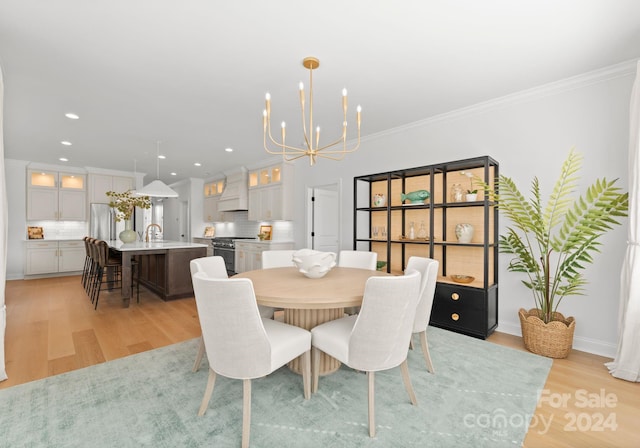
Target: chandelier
[334, 151]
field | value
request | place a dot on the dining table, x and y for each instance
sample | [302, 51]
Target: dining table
[309, 302]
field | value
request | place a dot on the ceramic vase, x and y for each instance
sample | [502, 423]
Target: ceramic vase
[464, 232]
[379, 200]
[128, 235]
[470, 197]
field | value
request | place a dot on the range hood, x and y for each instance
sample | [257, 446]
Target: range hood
[235, 194]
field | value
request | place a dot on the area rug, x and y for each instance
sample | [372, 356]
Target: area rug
[482, 395]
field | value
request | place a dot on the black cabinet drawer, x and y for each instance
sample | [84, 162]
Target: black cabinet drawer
[460, 308]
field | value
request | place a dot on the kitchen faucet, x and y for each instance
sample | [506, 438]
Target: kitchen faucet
[147, 231]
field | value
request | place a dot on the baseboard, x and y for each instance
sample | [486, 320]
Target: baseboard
[588, 345]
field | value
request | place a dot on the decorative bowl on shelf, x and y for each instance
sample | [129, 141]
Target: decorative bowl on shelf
[313, 263]
[458, 278]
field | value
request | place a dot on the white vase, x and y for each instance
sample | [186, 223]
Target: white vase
[471, 197]
[128, 235]
[379, 200]
[464, 232]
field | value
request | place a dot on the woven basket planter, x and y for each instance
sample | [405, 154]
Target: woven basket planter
[553, 340]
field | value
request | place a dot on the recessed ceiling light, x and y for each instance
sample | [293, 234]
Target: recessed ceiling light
[65, 143]
[197, 164]
[228, 149]
[72, 116]
[173, 174]
[63, 159]
[162, 157]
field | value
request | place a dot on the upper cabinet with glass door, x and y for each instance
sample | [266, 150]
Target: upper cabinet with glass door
[271, 193]
[56, 196]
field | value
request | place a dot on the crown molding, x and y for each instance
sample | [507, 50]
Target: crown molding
[553, 88]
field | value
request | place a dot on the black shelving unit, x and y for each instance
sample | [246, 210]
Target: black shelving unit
[465, 308]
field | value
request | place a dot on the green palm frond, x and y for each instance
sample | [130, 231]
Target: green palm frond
[552, 244]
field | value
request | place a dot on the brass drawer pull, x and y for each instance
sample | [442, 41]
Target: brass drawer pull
[455, 296]
[455, 316]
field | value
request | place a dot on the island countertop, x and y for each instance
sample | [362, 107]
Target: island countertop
[152, 245]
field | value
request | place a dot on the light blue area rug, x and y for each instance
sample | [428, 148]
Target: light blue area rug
[482, 395]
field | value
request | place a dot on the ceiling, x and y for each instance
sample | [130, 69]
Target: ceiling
[193, 74]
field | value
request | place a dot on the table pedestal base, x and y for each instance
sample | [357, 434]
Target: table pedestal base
[308, 319]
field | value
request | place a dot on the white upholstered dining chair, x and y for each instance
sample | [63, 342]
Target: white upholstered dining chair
[277, 259]
[215, 267]
[241, 344]
[212, 267]
[428, 268]
[357, 259]
[377, 338]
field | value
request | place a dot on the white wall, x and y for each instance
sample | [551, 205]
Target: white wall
[528, 134]
[16, 178]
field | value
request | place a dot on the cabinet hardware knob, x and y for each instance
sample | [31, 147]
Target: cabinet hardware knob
[455, 316]
[455, 296]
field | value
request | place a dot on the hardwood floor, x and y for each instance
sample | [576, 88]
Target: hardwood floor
[52, 328]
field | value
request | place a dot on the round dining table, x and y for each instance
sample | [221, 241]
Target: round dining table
[308, 302]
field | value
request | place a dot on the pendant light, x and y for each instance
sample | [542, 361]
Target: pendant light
[157, 188]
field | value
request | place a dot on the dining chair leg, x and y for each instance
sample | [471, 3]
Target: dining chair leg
[404, 368]
[316, 366]
[425, 351]
[306, 373]
[372, 406]
[199, 355]
[211, 381]
[246, 412]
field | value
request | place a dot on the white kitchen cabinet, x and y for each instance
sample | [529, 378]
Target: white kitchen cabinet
[50, 257]
[249, 253]
[99, 184]
[212, 192]
[71, 256]
[53, 196]
[271, 193]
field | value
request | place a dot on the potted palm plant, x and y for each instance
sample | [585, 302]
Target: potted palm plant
[552, 243]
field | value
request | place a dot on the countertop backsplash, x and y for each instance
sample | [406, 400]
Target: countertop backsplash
[237, 224]
[61, 230]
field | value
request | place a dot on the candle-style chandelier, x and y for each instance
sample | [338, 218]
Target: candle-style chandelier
[312, 147]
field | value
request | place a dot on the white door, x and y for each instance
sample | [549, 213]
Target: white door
[324, 218]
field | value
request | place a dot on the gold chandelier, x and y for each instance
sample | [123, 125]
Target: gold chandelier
[312, 147]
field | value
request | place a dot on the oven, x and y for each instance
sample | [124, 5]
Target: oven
[225, 247]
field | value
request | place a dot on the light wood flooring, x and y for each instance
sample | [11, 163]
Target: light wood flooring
[52, 328]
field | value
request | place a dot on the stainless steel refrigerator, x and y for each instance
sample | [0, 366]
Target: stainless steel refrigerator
[102, 222]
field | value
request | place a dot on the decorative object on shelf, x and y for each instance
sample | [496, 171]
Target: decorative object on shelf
[464, 233]
[313, 149]
[412, 231]
[460, 278]
[553, 243]
[422, 231]
[415, 197]
[265, 233]
[456, 193]
[209, 231]
[379, 200]
[157, 188]
[380, 265]
[314, 264]
[472, 193]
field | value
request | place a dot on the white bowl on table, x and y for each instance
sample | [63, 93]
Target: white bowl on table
[313, 263]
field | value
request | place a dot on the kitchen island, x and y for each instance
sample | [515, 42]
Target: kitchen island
[163, 266]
